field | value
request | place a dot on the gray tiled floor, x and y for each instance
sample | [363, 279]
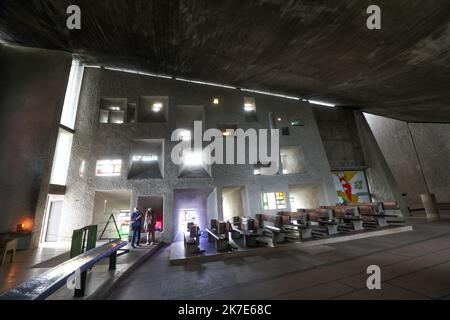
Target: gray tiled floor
[415, 265]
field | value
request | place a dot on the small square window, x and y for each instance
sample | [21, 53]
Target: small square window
[113, 110]
[250, 109]
[285, 131]
[153, 109]
[273, 200]
[131, 112]
[108, 168]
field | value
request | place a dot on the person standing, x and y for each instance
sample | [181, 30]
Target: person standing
[136, 225]
[150, 224]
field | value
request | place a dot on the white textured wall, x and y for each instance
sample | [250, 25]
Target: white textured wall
[93, 141]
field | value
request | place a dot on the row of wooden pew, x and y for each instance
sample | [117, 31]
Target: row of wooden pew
[325, 221]
[304, 224]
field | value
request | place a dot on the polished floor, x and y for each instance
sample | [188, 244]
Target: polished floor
[32, 263]
[414, 265]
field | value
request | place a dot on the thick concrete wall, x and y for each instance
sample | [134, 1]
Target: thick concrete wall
[418, 156]
[94, 141]
[433, 146]
[32, 89]
[395, 142]
[306, 196]
[340, 137]
[383, 186]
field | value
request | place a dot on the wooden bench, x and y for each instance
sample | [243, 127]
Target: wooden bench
[8, 246]
[249, 236]
[192, 239]
[375, 215]
[350, 219]
[277, 235]
[327, 225]
[47, 283]
[236, 233]
[271, 229]
[298, 226]
[220, 241]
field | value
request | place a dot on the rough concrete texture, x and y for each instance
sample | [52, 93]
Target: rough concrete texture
[32, 88]
[433, 145]
[95, 141]
[417, 155]
[383, 186]
[340, 137]
[316, 49]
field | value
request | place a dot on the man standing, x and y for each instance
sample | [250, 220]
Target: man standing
[136, 225]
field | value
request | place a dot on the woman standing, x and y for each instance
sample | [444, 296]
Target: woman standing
[149, 224]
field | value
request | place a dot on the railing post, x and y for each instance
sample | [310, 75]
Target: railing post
[113, 260]
[79, 293]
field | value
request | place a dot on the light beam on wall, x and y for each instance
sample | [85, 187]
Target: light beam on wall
[279, 95]
[322, 103]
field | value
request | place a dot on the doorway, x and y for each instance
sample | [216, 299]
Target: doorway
[192, 203]
[187, 216]
[108, 204]
[54, 215]
[156, 203]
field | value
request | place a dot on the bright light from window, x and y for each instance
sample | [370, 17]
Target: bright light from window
[257, 172]
[273, 200]
[321, 103]
[82, 168]
[191, 158]
[249, 104]
[108, 168]
[145, 158]
[249, 107]
[157, 106]
[62, 158]
[114, 108]
[70, 107]
[216, 101]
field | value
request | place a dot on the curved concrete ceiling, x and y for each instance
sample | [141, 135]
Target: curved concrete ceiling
[315, 49]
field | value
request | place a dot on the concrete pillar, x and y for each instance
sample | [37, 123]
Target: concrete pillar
[430, 205]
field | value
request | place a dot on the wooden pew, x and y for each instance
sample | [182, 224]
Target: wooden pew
[375, 215]
[248, 236]
[327, 224]
[192, 239]
[298, 225]
[276, 234]
[271, 231]
[350, 219]
[248, 224]
[221, 242]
